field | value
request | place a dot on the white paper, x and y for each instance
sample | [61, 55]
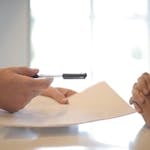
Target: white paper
[95, 103]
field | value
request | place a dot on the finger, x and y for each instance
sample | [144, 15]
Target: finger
[67, 92]
[146, 88]
[55, 94]
[141, 85]
[26, 71]
[134, 88]
[138, 96]
[136, 105]
[39, 83]
[131, 101]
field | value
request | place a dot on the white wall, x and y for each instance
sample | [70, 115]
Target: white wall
[14, 32]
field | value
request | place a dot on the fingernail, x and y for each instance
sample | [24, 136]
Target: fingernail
[65, 100]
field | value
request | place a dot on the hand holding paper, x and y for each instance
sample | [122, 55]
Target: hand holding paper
[97, 102]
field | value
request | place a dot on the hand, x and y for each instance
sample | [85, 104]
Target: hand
[17, 87]
[141, 97]
[143, 83]
[59, 94]
[140, 91]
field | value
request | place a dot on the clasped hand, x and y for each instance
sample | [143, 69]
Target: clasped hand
[141, 96]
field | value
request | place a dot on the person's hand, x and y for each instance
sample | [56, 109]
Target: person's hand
[59, 94]
[141, 96]
[17, 87]
[143, 83]
[140, 91]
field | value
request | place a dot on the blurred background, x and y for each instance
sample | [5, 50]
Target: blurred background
[107, 39]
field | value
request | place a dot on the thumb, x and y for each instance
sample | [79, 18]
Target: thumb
[26, 71]
[55, 94]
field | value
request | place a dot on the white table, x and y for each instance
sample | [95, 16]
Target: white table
[124, 133]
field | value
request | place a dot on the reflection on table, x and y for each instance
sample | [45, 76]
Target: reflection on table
[123, 133]
[142, 140]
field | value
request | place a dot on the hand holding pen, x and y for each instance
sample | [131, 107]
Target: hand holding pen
[60, 94]
[18, 87]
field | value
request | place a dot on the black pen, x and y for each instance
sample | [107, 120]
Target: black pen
[64, 76]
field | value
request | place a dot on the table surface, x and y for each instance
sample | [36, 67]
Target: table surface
[122, 133]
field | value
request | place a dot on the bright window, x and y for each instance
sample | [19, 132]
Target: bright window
[107, 39]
